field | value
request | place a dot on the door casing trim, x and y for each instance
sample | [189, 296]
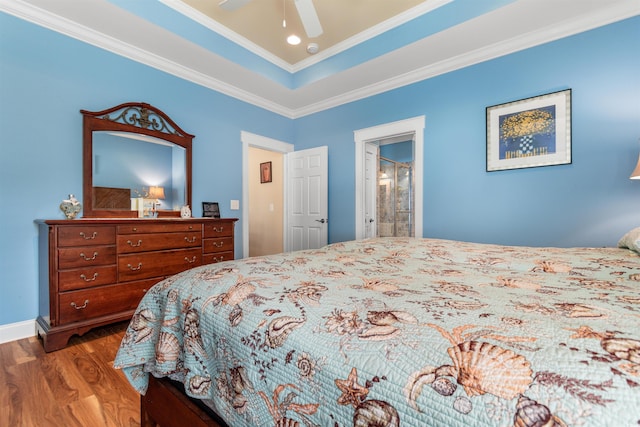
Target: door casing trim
[413, 125]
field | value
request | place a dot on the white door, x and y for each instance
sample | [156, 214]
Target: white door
[307, 200]
[370, 188]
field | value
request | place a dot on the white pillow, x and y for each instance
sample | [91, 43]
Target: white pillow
[631, 240]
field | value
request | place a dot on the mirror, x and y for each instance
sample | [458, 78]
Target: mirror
[134, 155]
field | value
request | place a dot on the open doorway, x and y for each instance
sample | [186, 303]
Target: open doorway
[367, 188]
[266, 202]
[395, 196]
[251, 174]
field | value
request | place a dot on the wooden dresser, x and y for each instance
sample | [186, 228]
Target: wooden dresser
[95, 271]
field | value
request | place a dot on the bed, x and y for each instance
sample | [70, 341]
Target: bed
[398, 331]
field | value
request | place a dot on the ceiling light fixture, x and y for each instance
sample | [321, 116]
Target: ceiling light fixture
[293, 40]
[312, 48]
[284, 13]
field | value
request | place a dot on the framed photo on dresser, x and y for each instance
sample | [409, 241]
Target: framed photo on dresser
[210, 210]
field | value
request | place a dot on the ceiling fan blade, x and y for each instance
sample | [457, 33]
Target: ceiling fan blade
[232, 4]
[309, 17]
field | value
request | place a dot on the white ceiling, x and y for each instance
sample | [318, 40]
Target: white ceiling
[516, 26]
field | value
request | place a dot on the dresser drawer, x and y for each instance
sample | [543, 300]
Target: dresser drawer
[86, 235]
[159, 228]
[223, 244]
[157, 264]
[217, 257]
[218, 229]
[129, 243]
[84, 256]
[101, 301]
[80, 278]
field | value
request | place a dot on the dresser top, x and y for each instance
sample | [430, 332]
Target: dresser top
[102, 221]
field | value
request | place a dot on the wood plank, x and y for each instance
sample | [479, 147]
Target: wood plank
[75, 386]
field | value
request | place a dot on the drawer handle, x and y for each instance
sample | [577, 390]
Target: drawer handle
[188, 240]
[134, 245]
[192, 260]
[134, 229]
[218, 244]
[218, 230]
[84, 257]
[132, 268]
[80, 307]
[191, 227]
[216, 259]
[85, 237]
[83, 277]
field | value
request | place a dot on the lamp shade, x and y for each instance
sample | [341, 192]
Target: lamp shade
[636, 172]
[156, 193]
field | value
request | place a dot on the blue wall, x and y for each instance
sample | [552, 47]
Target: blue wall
[590, 202]
[46, 78]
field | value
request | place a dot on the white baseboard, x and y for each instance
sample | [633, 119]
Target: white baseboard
[17, 331]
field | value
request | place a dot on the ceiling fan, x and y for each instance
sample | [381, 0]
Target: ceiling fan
[306, 11]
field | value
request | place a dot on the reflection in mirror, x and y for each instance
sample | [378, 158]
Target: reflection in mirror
[129, 164]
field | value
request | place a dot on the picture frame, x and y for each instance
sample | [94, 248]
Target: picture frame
[210, 210]
[531, 132]
[265, 172]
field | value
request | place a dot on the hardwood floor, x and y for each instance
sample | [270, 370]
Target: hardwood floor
[75, 386]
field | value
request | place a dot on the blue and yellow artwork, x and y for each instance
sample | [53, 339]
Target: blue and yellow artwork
[528, 133]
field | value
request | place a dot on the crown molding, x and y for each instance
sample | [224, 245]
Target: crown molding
[276, 100]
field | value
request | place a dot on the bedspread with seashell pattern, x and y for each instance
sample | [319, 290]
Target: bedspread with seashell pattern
[391, 332]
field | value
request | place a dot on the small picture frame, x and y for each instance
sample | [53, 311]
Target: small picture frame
[210, 210]
[529, 133]
[265, 172]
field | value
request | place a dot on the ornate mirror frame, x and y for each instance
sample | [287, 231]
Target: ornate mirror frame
[137, 118]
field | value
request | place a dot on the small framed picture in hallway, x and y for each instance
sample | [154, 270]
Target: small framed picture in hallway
[265, 172]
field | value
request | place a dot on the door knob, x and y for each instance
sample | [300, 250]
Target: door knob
[322, 221]
[371, 219]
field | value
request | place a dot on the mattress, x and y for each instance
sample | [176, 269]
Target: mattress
[397, 331]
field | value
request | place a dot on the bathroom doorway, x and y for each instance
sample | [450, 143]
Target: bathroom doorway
[395, 213]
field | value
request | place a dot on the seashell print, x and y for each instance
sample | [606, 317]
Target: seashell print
[287, 422]
[629, 299]
[142, 323]
[309, 294]
[379, 333]
[530, 413]
[199, 385]
[444, 386]
[235, 316]
[191, 324]
[379, 285]
[623, 348]
[385, 318]
[416, 382]
[280, 328]
[512, 282]
[167, 348]
[462, 405]
[578, 310]
[482, 368]
[635, 277]
[239, 380]
[464, 305]
[238, 292]
[375, 413]
[549, 266]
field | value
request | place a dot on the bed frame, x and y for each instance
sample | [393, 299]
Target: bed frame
[166, 405]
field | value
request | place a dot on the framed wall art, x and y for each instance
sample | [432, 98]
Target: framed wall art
[265, 172]
[530, 132]
[210, 210]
